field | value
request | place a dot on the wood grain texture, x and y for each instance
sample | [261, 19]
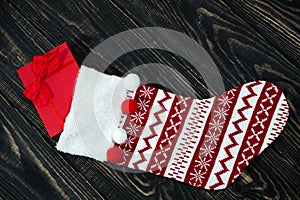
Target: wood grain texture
[248, 40]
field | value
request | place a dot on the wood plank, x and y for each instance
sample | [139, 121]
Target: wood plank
[248, 40]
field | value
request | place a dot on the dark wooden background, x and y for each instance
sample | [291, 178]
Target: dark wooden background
[248, 40]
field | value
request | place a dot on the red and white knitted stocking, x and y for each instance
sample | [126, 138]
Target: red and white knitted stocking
[205, 143]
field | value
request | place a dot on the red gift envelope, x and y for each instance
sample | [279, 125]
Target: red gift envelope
[49, 82]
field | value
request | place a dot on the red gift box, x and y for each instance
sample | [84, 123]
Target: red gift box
[49, 82]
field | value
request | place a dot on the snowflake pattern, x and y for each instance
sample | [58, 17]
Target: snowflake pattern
[197, 177]
[129, 141]
[202, 163]
[216, 125]
[146, 92]
[133, 129]
[207, 150]
[212, 137]
[138, 117]
[221, 112]
[143, 104]
[225, 100]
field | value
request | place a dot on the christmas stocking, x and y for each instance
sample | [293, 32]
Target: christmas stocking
[205, 143]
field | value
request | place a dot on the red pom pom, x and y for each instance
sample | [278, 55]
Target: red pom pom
[114, 154]
[129, 106]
